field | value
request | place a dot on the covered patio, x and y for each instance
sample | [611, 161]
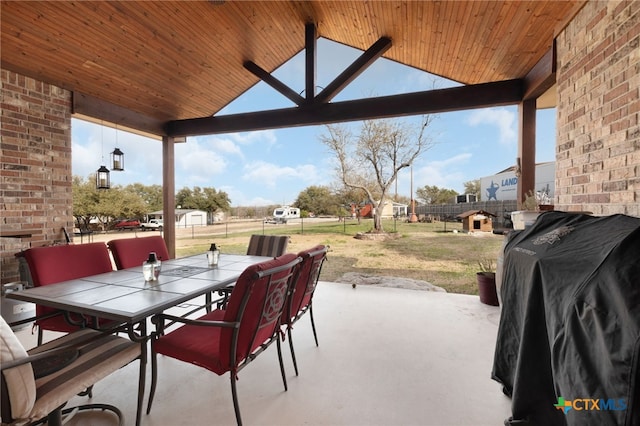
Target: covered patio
[385, 356]
[165, 69]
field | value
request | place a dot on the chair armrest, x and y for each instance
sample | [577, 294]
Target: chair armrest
[53, 352]
[37, 357]
[158, 320]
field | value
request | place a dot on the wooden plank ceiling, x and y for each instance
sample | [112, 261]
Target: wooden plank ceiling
[175, 60]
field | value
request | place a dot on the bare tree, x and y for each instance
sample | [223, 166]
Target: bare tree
[371, 160]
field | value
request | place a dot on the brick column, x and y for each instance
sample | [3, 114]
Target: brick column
[35, 166]
[598, 148]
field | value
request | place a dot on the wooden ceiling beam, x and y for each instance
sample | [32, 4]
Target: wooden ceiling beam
[542, 76]
[354, 70]
[84, 105]
[507, 92]
[274, 82]
[310, 59]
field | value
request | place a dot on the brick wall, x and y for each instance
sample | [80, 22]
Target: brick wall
[598, 147]
[35, 166]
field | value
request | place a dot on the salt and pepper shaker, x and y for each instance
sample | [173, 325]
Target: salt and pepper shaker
[213, 255]
[151, 267]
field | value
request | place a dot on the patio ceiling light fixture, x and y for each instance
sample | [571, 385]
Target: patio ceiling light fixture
[102, 178]
[117, 160]
[117, 157]
[102, 174]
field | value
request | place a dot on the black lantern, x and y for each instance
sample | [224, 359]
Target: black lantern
[117, 160]
[102, 178]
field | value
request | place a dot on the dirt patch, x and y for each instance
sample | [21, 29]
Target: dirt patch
[376, 236]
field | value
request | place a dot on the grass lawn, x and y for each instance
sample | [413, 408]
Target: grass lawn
[432, 252]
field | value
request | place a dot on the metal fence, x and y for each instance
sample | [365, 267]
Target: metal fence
[448, 212]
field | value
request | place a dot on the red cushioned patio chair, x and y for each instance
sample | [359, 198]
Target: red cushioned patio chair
[131, 252]
[53, 264]
[301, 295]
[228, 340]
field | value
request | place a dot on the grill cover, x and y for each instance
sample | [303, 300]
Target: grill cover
[570, 323]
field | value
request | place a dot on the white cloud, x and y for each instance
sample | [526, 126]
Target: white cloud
[259, 136]
[239, 198]
[197, 165]
[217, 143]
[268, 174]
[85, 158]
[448, 173]
[502, 118]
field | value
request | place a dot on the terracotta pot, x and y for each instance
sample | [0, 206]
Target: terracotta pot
[487, 288]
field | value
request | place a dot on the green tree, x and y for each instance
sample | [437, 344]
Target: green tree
[104, 205]
[473, 187]
[371, 160]
[317, 199]
[206, 199]
[119, 203]
[150, 194]
[434, 195]
[85, 200]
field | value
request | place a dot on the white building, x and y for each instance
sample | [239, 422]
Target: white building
[185, 217]
[504, 185]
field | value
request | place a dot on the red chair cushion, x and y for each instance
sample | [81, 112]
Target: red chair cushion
[196, 345]
[131, 252]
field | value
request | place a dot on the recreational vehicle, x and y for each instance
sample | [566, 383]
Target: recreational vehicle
[282, 214]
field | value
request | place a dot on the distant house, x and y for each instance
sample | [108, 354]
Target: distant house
[389, 209]
[184, 217]
[477, 221]
[399, 209]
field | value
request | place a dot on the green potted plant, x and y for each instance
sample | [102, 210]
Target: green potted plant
[486, 278]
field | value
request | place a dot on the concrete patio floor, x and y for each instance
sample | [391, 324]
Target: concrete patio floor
[386, 357]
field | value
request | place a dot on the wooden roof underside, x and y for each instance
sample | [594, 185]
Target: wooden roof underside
[168, 67]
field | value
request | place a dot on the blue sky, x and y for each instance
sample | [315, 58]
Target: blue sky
[274, 166]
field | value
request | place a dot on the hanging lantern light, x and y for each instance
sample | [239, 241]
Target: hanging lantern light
[117, 160]
[117, 156]
[102, 174]
[102, 178]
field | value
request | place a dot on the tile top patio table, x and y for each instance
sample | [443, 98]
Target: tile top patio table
[125, 297]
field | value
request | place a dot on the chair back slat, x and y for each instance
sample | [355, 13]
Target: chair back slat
[256, 304]
[267, 245]
[131, 252]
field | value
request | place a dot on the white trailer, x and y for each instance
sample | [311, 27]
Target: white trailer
[284, 213]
